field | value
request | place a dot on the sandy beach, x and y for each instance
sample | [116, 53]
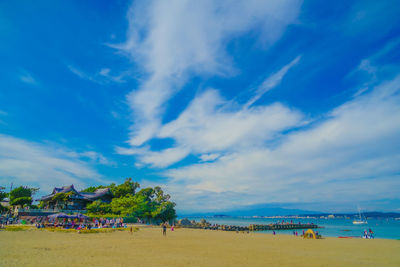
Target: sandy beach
[190, 247]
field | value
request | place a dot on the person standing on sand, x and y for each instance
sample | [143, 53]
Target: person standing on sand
[164, 229]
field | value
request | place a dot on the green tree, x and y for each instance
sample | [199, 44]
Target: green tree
[164, 211]
[21, 201]
[99, 207]
[149, 204]
[128, 187]
[34, 206]
[160, 197]
[124, 205]
[22, 195]
[41, 205]
[61, 199]
[92, 189]
[147, 193]
[3, 194]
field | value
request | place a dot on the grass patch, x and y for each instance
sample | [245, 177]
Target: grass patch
[18, 228]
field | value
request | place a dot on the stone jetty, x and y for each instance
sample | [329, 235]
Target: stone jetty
[185, 223]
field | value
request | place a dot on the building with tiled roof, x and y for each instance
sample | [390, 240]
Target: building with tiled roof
[67, 197]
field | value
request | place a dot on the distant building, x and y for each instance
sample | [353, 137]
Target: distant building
[5, 202]
[68, 198]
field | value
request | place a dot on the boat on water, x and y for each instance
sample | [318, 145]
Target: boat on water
[361, 219]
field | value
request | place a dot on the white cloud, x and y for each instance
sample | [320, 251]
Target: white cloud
[174, 39]
[27, 77]
[102, 77]
[209, 124]
[96, 157]
[158, 159]
[29, 163]
[272, 81]
[104, 72]
[209, 157]
[352, 155]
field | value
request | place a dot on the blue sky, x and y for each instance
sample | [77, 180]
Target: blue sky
[223, 103]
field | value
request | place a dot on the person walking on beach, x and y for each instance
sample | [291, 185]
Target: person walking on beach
[164, 230]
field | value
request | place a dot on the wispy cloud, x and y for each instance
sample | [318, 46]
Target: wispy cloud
[157, 159]
[174, 40]
[28, 78]
[209, 157]
[103, 76]
[210, 125]
[271, 82]
[29, 163]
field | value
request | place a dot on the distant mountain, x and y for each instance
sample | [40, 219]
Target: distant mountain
[377, 214]
[253, 210]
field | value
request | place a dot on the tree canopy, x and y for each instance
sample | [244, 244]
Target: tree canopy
[3, 194]
[22, 195]
[92, 189]
[128, 187]
[149, 204]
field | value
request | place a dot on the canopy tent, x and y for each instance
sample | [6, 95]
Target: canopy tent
[310, 234]
[58, 215]
[62, 215]
[78, 216]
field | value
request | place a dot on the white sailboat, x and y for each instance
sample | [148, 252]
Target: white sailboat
[361, 219]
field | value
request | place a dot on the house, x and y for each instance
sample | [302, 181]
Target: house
[67, 197]
[5, 202]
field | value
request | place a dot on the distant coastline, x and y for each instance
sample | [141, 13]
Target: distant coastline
[374, 214]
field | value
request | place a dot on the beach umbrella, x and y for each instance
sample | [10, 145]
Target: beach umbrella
[58, 215]
[81, 216]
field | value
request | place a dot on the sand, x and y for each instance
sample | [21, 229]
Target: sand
[190, 247]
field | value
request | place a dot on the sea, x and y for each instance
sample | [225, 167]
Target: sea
[387, 228]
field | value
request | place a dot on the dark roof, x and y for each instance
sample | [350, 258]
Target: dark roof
[96, 194]
[64, 189]
[56, 190]
[78, 195]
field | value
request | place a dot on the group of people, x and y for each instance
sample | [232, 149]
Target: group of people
[80, 224]
[368, 234]
[164, 228]
[109, 223]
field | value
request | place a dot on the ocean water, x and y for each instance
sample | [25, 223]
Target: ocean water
[382, 228]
